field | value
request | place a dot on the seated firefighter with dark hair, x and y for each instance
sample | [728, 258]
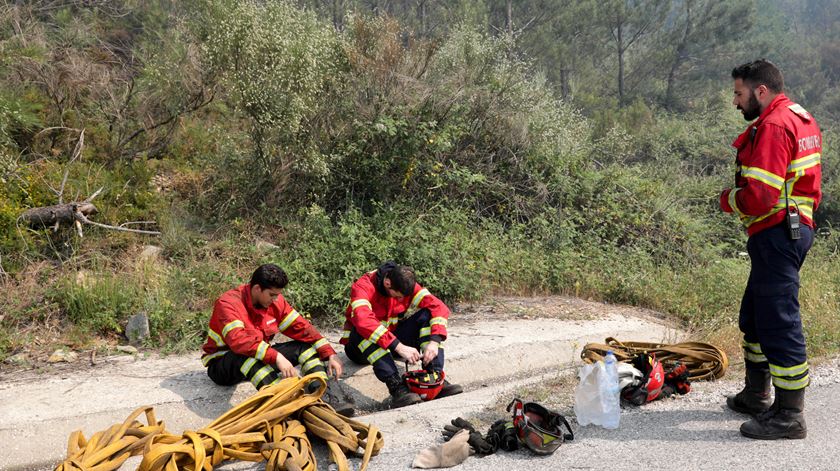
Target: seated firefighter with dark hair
[391, 314]
[247, 318]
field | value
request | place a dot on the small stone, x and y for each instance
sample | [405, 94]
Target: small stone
[18, 359]
[137, 328]
[150, 253]
[264, 246]
[60, 355]
[127, 349]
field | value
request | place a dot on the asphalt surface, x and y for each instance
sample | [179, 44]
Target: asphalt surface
[695, 432]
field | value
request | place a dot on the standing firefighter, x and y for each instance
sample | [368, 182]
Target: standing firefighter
[390, 312]
[777, 190]
[246, 319]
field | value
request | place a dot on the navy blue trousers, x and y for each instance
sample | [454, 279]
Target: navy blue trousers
[769, 316]
[413, 331]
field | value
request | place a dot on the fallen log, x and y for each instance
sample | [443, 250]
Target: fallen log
[49, 216]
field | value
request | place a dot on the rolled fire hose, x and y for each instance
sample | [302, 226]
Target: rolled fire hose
[274, 426]
[703, 360]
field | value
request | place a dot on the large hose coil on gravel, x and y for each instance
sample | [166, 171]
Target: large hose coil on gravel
[273, 425]
[703, 360]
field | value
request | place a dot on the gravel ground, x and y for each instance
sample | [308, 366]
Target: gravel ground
[695, 431]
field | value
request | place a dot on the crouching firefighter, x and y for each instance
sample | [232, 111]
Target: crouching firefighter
[390, 313]
[247, 318]
[776, 193]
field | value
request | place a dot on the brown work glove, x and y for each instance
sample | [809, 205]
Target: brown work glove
[445, 455]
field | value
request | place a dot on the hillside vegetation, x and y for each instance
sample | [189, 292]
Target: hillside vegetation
[497, 150]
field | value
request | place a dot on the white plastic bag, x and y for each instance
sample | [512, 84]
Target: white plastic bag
[596, 398]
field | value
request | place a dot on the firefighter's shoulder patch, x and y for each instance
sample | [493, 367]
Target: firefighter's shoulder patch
[800, 111]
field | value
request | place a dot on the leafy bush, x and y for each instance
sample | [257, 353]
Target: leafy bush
[99, 304]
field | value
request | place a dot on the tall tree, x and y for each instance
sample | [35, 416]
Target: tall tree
[700, 29]
[628, 22]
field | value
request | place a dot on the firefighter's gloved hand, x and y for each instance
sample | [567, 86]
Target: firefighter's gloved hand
[446, 455]
[476, 441]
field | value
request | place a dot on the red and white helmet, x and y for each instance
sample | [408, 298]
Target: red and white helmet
[426, 384]
[650, 386]
[654, 375]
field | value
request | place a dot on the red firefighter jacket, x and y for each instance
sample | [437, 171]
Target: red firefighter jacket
[374, 314]
[239, 326]
[781, 149]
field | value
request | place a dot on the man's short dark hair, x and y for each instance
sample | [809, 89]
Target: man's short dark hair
[402, 279]
[269, 276]
[760, 72]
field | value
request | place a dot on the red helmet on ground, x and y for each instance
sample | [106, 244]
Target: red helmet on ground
[650, 387]
[426, 384]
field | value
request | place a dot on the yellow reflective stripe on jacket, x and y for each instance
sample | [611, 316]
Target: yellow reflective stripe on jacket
[377, 334]
[364, 345]
[763, 176]
[261, 350]
[206, 358]
[788, 371]
[804, 163]
[393, 321]
[418, 298]
[360, 302]
[237, 324]
[804, 204]
[439, 321]
[733, 202]
[216, 338]
[320, 343]
[291, 317]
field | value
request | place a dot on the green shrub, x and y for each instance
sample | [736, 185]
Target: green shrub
[99, 304]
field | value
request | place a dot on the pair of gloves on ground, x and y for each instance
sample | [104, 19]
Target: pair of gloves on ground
[461, 441]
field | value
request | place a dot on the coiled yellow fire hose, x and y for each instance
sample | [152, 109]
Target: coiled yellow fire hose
[260, 429]
[703, 360]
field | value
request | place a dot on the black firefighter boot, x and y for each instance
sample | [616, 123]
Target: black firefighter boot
[755, 397]
[785, 419]
[336, 397]
[449, 389]
[401, 396]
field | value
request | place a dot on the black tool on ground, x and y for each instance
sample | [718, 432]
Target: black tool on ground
[677, 379]
[540, 429]
[502, 434]
[476, 441]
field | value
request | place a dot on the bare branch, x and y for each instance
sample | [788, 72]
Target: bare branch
[94, 195]
[76, 153]
[81, 217]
